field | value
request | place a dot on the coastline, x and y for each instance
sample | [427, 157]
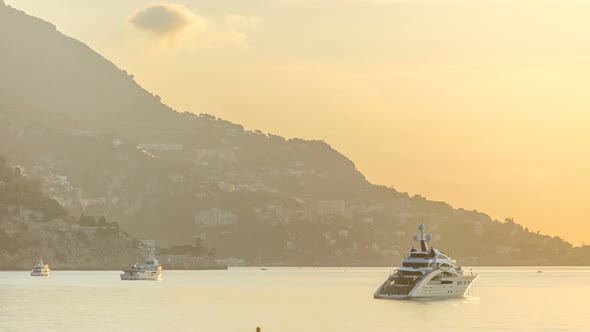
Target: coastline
[6, 269]
[16, 269]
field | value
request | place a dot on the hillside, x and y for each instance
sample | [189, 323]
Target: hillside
[33, 226]
[104, 146]
[78, 81]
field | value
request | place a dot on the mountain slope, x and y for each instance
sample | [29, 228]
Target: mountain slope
[105, 146]
[77, 80]
[33, 226]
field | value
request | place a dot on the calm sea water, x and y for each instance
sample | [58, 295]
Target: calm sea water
[290, 300]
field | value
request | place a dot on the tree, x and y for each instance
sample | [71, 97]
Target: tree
[212, 253]
[102, 222]
[198, 242]
[87, 221]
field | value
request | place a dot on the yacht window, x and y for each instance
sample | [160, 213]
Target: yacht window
[418, 255]
[415, 264]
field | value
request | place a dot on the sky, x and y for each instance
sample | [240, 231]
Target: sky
[481, 104]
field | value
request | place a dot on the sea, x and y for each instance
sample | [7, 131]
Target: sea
[278, 299]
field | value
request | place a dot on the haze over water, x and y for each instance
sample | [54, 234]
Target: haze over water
[290, 300]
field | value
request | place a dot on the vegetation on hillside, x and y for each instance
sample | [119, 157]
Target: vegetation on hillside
[34, 226]
[26, 192]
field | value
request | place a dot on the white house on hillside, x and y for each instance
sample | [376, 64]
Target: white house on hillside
[215, 217]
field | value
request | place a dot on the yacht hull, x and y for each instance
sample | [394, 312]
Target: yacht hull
[407, 297]
[458, 288]
[39, 274]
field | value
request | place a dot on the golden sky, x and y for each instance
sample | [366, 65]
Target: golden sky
[482, 104]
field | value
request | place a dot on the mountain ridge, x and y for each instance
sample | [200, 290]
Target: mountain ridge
[94, 87]
[104, 145]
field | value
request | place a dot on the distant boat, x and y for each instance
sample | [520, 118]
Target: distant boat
[150, 270]
[40, 270]
[426, 274]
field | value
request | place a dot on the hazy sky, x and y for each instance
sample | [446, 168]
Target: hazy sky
[482, 104]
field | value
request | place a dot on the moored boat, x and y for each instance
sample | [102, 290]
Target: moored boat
[426, 273]
[149, 270]
[40, 269]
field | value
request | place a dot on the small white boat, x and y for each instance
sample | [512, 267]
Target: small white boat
[426, 273]
[150, 270]
[40, 270]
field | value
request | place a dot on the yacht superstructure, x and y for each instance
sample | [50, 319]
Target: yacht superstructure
[426, 273]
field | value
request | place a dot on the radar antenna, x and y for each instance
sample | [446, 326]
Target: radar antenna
[423, 239]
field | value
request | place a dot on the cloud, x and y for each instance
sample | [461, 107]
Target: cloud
[166, 19]
[177, 25]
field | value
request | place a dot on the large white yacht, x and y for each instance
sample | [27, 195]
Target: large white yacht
[40, 270]
[426, 273]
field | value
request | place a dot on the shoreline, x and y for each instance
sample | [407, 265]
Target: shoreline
[2, 269]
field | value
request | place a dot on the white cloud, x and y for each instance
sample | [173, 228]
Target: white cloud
[177, 25]
[166, 19]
